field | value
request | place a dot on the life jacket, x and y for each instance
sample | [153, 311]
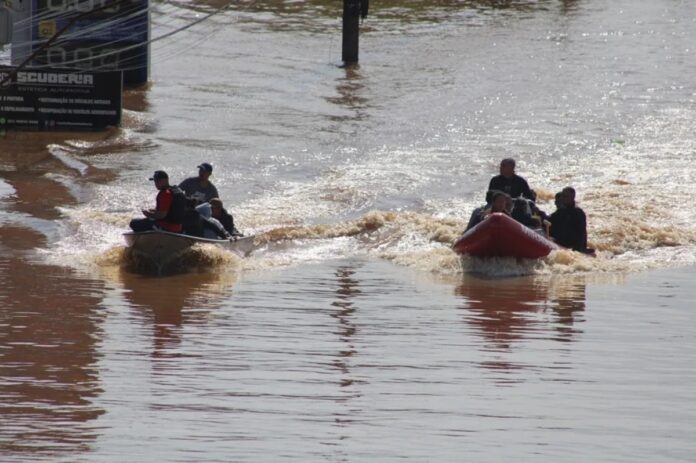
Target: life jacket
[178, 208]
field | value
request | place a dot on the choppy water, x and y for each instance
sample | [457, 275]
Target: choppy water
[353, 333]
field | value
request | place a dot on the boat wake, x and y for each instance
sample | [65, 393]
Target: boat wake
[416, 240]
[199, 258]
[422, 242]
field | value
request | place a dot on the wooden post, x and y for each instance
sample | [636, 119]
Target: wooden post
[351, 27]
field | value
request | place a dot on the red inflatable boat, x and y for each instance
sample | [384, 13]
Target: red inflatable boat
[500, 235]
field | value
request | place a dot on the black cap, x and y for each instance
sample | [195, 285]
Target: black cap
[206, 166]
[159, 174]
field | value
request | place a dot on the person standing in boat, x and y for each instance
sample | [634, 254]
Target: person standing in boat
[168, 213]
[509, 182]
[225, 218]
[569, 223]
[200, 189]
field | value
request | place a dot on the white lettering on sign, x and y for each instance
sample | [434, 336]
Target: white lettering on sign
[30, 77]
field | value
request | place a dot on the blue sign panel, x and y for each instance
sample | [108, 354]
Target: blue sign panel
[113, 38]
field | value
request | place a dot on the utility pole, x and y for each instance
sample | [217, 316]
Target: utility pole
[353, 10]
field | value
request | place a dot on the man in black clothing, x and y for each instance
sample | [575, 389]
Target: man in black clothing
[522, 212]
[509, 182]
[569, 223]
[476, 214]
[224, 217]
[498, 203]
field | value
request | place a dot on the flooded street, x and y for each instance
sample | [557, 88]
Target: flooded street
[352, 360]
[353, 332]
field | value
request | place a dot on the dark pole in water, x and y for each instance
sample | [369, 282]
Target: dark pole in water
[352, 11]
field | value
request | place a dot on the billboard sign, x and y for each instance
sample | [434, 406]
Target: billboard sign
[59, 99]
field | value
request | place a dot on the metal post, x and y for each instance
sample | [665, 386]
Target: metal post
[351, 26]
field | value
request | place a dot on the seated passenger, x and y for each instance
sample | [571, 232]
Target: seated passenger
[474, 219]
[569, 223]
[522, 212]
[224, 217]
[501, 202]
[212, 228]
[168, 213]
[498, 204]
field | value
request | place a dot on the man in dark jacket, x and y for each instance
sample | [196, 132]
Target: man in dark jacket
[569, 223]
[224, 217]
[509, 182]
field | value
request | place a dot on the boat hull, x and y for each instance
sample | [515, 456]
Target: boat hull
[502, 236]
[162, 248]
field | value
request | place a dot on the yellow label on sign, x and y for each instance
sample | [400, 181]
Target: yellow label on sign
[47, 29]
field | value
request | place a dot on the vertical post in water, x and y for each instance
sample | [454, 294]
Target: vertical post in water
[351, 27]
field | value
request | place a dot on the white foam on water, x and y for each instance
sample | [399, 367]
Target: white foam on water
[636, 192]
[355, 184]
[299, 252]
[63, 154]
[6, 190]
[87, 238]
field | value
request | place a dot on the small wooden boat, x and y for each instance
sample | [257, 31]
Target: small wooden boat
[500, 235]
[162, 248]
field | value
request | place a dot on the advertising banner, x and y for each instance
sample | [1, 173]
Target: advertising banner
[60, 99]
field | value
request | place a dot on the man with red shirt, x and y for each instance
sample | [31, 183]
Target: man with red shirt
[169, 210]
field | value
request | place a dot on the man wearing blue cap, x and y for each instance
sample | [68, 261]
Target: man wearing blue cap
[200, 189]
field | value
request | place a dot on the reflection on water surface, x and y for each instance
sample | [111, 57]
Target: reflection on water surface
[50, 330]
